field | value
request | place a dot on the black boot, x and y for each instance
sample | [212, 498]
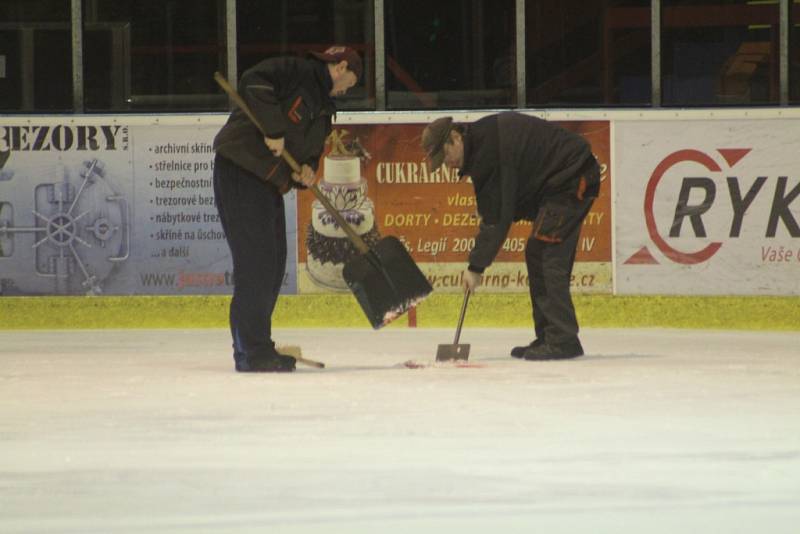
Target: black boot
[267, 363]
[546, 351]
[519, 352]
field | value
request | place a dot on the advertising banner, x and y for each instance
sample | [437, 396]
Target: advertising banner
[377, 175]
[114, 205]
[707, 207]
[124, 205]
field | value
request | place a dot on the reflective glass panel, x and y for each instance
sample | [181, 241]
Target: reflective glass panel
[450, 54]
[270, 28]
[794, 53]
[35, 56]
[145, 55]
[588, 53]
[719, 52]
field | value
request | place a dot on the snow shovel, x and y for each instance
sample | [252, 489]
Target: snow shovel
[384, 279]
[456, 351]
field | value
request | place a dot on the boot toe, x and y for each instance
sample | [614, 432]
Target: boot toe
[545, 351]
[273, 363]
[519, 352]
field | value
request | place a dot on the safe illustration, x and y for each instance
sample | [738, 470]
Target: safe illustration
[63, 231]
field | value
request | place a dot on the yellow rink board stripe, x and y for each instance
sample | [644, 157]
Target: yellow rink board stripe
[439, 310]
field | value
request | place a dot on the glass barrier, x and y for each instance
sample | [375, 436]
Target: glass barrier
[160, 55]
[149, 55]
[717, 54]
[289, 27]
[794, 52]
[35, 56]
[594, 53]
[450, 54]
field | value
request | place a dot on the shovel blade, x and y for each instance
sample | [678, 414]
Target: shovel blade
[385, 281]
[452, 352]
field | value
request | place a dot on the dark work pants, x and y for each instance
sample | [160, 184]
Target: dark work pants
[253, 218]
[550, 268]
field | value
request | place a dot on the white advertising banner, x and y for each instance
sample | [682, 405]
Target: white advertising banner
[707, 207]
[114, 205]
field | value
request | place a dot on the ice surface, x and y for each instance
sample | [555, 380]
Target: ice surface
[654, 431]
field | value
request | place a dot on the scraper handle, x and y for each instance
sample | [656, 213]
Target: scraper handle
[461, 316]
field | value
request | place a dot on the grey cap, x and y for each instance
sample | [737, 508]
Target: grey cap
[434, 137]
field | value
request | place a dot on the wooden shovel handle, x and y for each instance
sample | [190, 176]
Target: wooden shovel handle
[241, 104]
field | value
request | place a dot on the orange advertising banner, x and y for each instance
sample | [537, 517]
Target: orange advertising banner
[377, 176]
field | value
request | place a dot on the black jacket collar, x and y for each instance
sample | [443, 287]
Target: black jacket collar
[468, 167]
[325, 81]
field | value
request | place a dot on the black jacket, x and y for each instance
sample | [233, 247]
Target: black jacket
[290, 98]
[516, 162]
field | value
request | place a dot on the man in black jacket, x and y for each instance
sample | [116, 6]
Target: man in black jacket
[523, 167]
[292, 99]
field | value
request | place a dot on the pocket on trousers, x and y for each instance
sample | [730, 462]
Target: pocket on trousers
[547, 226]
[554, 221]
